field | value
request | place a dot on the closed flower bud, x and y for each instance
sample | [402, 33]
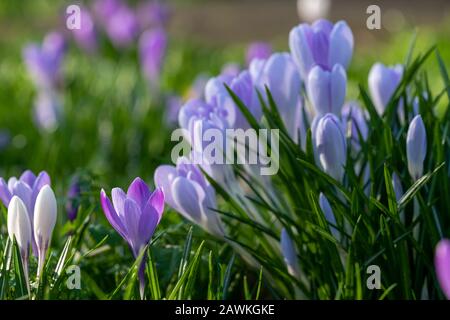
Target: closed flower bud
[289, 254]
[45, 211]
[383, 81]
[329, 215]
[331, 147]
[416, 147]
[327, 89]
[442, 265]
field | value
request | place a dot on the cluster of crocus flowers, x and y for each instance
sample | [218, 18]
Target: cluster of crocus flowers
[135, 216]
[32, 211]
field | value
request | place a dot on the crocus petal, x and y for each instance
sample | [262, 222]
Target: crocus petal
[442, 265]
[318, 90]
[28, 177]
[111, 215]
[118, 200]
[329, 215]
[139, 192]
[341, 45]
[5, 195]
[188, 196]
[24, 192]
[382, 84]
[164, 176]
[416, 147]
[42, 179]
[156, 200]
[300, 50]
[131, 220]
[148, 221]
[289, 254]
[338, 88]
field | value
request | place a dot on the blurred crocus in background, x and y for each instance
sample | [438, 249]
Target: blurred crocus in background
[135, 216]
[383, 80]
[73, 195]
[118, 20]
[44, 62]
[47, 110]
[442, 265]
[331, 146]
[329, 215]
[290, 254]
[153, 13]
[44, 220]
[327, 89]
[354, 121]
[188, 192]
[86, 36]
[416, 147]
[322, 43]
[152, 49]
[258, 50]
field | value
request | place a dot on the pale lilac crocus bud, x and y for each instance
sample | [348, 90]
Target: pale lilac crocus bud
[355, 125]
[442, 265]
[44, 62]
[153, 13]
[45, 211]
[258, 50]
[19, 228]
[416, 147]
[383, 81]
[321, 43]
[397, 185]
[152, 50]
[327, 89]
[329, 215]
[86, 36]
[189, 193]
[331, 146]
[280, 76]
[289, 253]
[47, 110]
[135, 216]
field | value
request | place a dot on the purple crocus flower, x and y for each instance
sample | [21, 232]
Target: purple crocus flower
[329, 215]
[152, 49]
[44, 62]
[355, 125]
[72, 203]
[47, 110]
[86, 36]
[330, 145]
[416, 147]
[119, 21]
[258, 50]
[153, 13]
[280, 76]
[442, 265]
[321, 43]
[383, 81]
[327, 89]
[27, 188]
[135, 216]
[188, 192]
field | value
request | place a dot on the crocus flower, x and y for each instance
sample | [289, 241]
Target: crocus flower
[153, 13]
[119, 21]
[283, 81]
[355, 125]
[321, 43]
[19, 228]
[47, 110]
[383, 81]
[258, 50]
[416, 147]
[329, 215]
[152, 49]
[327, 89]
[86, 36]
[289, 254]
[45, 211]
[135, 216]
[188, 192]
[331, 146]
[442, 265]
[44, 62]
[27, 188]
[73, 195]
